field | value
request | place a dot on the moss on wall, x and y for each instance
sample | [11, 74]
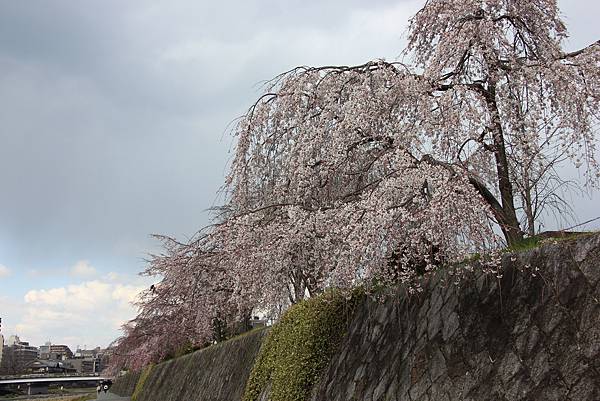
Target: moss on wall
[141, 381]
[299, 347]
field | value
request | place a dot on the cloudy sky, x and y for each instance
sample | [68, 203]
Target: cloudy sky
[113, 126]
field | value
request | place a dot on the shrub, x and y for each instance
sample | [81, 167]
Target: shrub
[299, 347]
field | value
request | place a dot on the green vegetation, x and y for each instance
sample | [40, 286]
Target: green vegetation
[538, 240]
[141, 381]
[300, 345]
[525, 244]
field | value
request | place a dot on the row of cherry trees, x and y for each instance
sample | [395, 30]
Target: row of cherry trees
[383, 171]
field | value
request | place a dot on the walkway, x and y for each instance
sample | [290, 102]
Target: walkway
[111, 397]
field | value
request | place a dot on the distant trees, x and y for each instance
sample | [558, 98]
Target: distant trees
[343, 175]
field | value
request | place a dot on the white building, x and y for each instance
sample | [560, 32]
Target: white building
[1, 346]
[12, 340]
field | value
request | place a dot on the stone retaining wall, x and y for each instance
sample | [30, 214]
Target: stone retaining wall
[216, 373]
[521, 337]
[125, 385]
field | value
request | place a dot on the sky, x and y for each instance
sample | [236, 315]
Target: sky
[114, 125]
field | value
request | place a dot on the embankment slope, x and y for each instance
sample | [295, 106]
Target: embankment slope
[533, 334]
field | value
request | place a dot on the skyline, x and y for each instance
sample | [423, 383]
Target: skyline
[47, 342]
[115, 127]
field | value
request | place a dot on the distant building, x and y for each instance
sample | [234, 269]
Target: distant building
[12, 340]
[55, 352]
[88, 365]
[88, 361]
[44, 366]
[44, 349]
[88, 353]
[61, 350]
[1, 347]
[17, 356]
[1, 344]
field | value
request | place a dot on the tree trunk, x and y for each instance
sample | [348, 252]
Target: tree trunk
[528, 206]
[510, 227]
[219, 329]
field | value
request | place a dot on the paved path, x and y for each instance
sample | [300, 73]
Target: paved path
[111, 397]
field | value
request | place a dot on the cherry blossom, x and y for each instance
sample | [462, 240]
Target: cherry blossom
[385, 172]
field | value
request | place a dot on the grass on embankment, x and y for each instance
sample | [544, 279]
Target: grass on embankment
[537, 240]
[299, 347]
[141, 381]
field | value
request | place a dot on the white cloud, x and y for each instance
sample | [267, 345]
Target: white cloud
[83, 269]
[126, 293]
[54, 296]
[11, 311]
[88, 313]
[4, 271]
[112, 276]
